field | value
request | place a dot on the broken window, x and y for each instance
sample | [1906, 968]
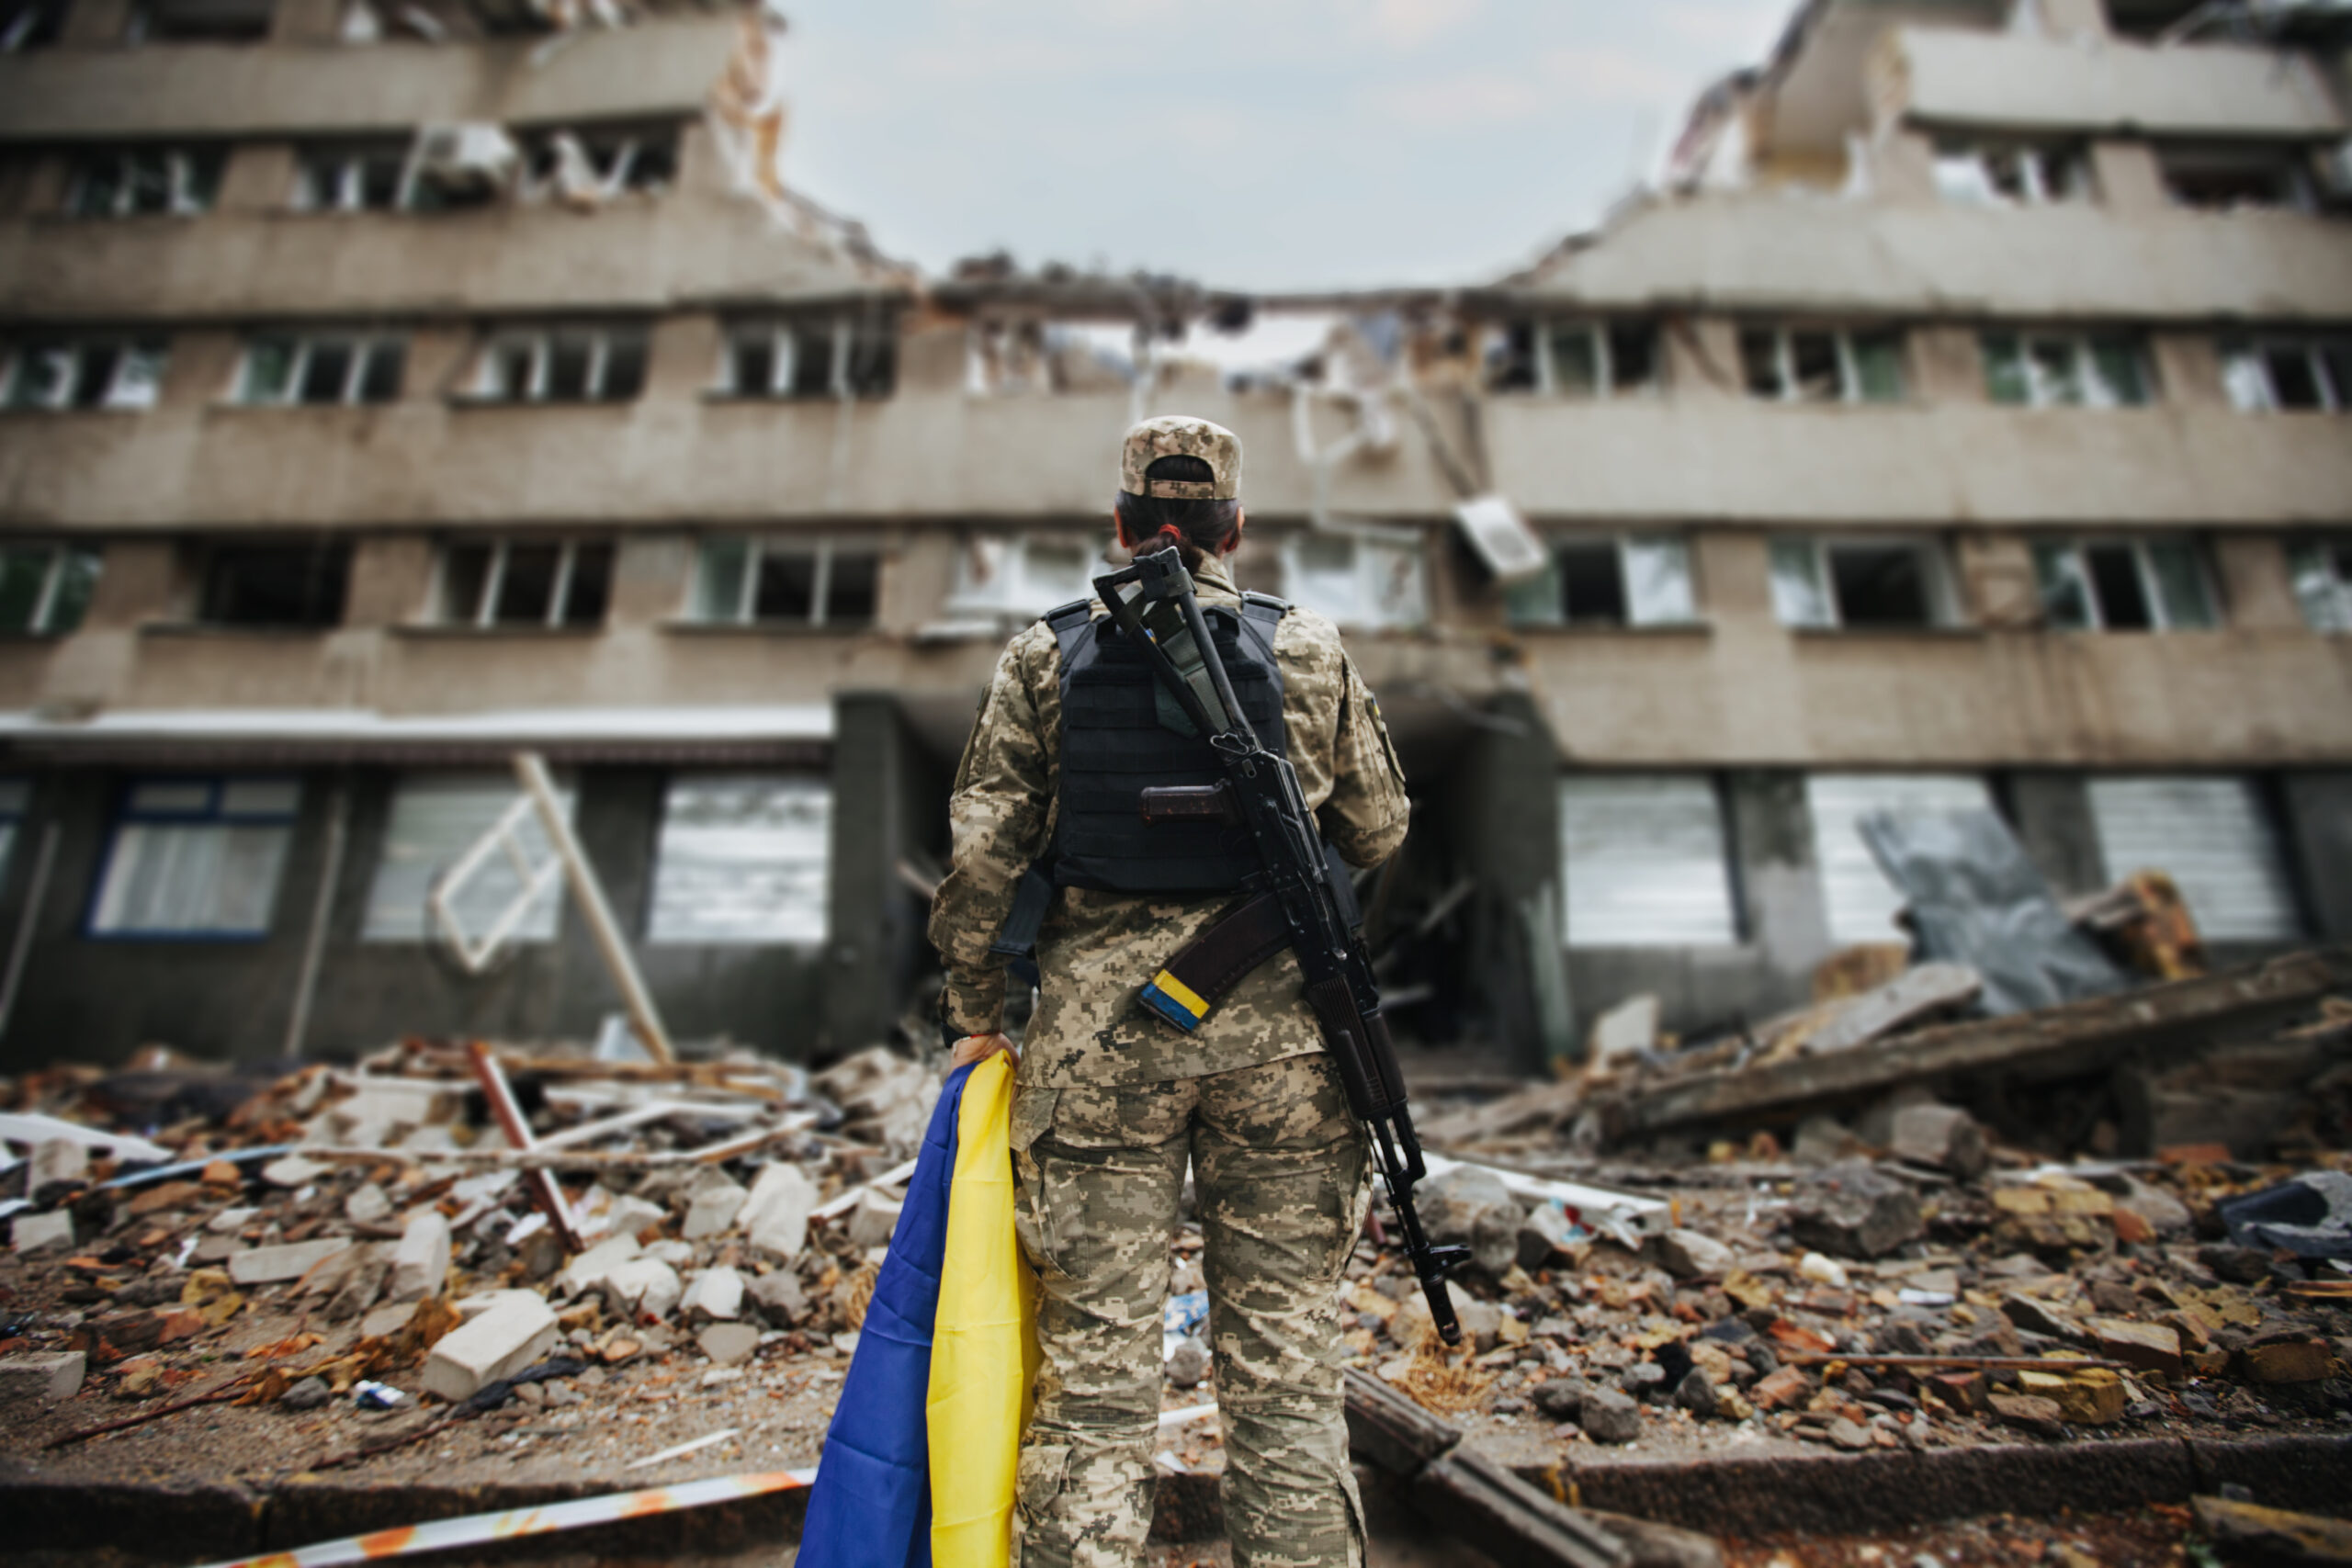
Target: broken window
[44, 589]
[1363, 577]
[31, 24]
[1576, 359]
[562, 365]
[197, 858]
[1625, 579]
[2263, 374]
[321, 369]
[1643, 861]
[1793, 365]
[2024, 173]
[810, 357]
[1859, 900]
[2322, 572]
[1860, 583]
[2216, 178]
[367, 176]
[435, 818]
[130, 182]
[288, 586]
[996, 576]
[2214, 837]
[200, 21]
[2124, 586]
[598, 162]
[522, 582]
[2101, 371]
[83, 373]
[1010, 357]
[820, 583]
[742, 862]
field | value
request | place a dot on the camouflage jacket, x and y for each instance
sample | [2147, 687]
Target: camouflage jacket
[1097, 949]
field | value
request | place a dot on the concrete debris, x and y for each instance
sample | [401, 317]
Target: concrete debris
[45, 1376]
[32, 1234]
[1939, 1283]
[1470, 1207]
[513, 1333]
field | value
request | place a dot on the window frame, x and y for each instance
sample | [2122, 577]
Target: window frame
[363, 346]
[782, 333]
[2250, 356]
[1016, 597]
[2083, 348]
[384, 922]
[1409, 543]
[141, 28]
[2332, 555]
[42, 622]
[540, 340]
[625, 146]
[350, 161]
[2035, 163]
[1621, 543]
[214, 814]
[186, 194]
[493, 581]
[2151, 592]
[1945, 611]
[2285, 164]
[1851, 387]
[335, 552]
[127, 348]
[756, 546]
[1597, 331]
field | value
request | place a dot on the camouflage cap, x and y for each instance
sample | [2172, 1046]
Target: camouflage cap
[1179, 434]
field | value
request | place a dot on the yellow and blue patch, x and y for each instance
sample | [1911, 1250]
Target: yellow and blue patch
[1175, 1001]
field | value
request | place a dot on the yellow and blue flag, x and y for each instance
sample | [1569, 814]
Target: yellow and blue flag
[920, 1461]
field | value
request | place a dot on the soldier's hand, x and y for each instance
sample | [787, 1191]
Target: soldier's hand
[981, 1047]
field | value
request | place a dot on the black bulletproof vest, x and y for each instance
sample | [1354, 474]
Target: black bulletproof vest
[1121, 733]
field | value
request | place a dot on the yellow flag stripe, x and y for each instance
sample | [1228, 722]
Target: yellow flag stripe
[1183, 994]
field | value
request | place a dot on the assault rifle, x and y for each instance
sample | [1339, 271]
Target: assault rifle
[1299, 895]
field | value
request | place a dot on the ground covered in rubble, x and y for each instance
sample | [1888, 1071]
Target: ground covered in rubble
[350, 1277]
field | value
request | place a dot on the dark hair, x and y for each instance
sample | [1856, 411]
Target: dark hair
[1199, 528]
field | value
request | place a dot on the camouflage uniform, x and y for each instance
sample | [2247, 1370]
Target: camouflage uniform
[1110, 1106]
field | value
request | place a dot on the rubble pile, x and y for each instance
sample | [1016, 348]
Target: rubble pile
[1944, 1291]
[370, 1239]
[444, 1257]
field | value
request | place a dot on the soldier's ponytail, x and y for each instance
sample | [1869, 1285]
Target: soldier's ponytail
[1199, 528]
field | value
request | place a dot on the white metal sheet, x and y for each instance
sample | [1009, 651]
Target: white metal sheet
[2211, 836]
[743, 861]
[1861, 902]
[1643, 861]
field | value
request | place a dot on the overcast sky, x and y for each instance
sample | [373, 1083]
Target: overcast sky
[1256, 143]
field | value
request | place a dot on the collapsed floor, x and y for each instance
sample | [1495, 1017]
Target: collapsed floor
[352, 1276]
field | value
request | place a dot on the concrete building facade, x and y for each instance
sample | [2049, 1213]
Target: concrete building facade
[1963, 419]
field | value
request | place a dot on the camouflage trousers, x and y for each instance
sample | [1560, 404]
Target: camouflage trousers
[1282, 1176]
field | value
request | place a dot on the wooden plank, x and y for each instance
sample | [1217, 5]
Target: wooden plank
[1467, 1495]
[2090, 1032]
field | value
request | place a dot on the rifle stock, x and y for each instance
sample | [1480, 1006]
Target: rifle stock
[1265, 793]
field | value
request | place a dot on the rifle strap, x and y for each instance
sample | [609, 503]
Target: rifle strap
[1196, 979]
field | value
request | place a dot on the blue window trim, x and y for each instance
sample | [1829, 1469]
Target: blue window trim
[125, 815]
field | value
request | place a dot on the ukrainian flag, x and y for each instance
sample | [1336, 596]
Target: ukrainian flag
[919, 1464]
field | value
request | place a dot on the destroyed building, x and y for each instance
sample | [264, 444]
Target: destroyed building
[1962, 422]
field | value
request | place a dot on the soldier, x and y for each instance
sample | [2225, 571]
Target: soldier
[1111, 1104]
